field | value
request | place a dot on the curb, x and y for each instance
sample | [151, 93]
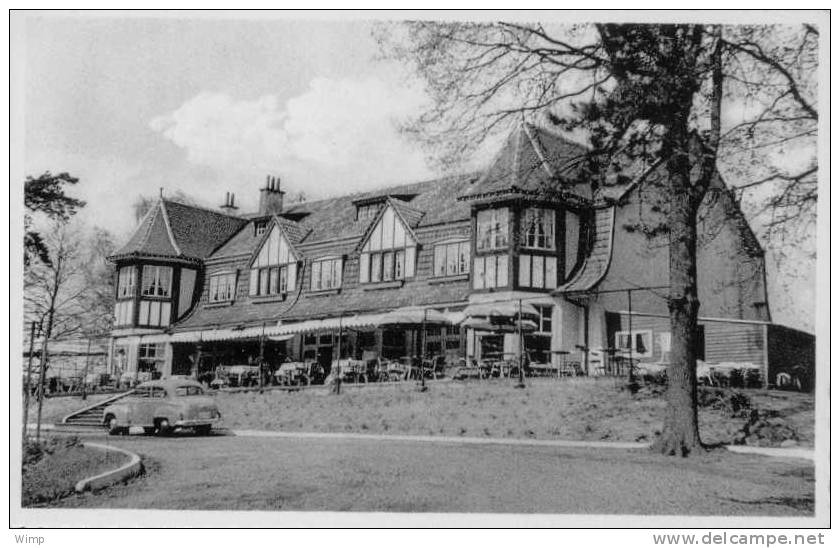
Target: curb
[441, 439]
[782, 452]
[132, 468]
[791, 453]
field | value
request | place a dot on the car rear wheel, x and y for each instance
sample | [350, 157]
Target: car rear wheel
[204, 429]
[162, 427]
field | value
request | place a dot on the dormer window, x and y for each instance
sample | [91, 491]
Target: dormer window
[274, 268]
[389, 252]
[326, 274]
[367, 212]
[260, 227]
[222, 287]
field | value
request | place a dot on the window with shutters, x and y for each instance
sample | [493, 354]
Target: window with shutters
[389, 252]
[274, 269]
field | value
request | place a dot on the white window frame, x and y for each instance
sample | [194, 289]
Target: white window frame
[158, 290]
[126, 282]
[260, 227]
[537, 271]
[482, 274]
[442, 253]
[326, 273]
[647, 335]
[267, 281]
[538, 217]
[541, 321]
[222, 287]
[492, 225]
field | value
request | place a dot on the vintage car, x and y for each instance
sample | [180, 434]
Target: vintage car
[161, 406]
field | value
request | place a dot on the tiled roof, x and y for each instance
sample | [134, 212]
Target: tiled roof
[598, 261]
[349, 300]
[173, 229]
[409, 214]
[532, 159]
[332, 219]
[152, 236]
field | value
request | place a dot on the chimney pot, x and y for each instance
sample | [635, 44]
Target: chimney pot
[271, 197]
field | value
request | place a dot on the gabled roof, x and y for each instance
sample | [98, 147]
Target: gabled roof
[532, 160]
[288, 230]
[176, 230]
[408, 216]
[597, 262]
[334, 219]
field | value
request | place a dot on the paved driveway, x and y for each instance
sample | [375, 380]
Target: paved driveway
[249, 473]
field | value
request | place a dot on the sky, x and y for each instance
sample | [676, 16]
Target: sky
[209, 106]
[205, 106]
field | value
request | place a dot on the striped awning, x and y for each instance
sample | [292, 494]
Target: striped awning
[278, 332]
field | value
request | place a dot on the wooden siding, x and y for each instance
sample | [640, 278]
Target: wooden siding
[725, 341]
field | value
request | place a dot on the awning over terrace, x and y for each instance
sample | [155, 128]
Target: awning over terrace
[277, 332]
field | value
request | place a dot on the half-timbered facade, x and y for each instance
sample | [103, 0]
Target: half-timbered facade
[309, 281]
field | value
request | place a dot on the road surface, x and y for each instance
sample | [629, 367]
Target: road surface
[252, 473]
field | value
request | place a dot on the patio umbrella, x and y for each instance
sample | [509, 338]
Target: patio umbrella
[483, 324]
[413, 315]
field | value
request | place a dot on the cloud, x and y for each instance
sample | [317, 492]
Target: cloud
[340, 135]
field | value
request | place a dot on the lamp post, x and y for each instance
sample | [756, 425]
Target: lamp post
[423, 387]
[521, 383]
[262, 358]
[85, 370]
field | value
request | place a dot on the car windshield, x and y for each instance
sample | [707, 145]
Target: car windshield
[188, 391]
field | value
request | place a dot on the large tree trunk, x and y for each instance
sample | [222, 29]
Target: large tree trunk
[680, 435]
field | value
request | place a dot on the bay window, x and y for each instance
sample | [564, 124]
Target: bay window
[490, 271]
[537, 271]
[537, 228]
[492, 227]
[157, 281]
[125, 282]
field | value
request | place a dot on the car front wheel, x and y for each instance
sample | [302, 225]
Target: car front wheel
[113, 426]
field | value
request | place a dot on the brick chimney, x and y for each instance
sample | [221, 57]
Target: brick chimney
[271, 197]
[229, 207]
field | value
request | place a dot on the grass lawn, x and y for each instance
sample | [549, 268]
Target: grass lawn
[52, 469]
[56, 408]
[570, 409]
